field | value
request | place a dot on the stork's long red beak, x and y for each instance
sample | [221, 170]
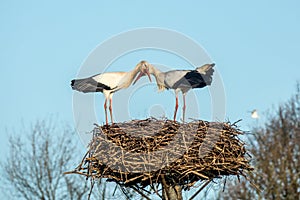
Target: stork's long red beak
[142, 74]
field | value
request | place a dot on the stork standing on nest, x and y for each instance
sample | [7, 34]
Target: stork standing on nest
[109, 82]
[181, 80]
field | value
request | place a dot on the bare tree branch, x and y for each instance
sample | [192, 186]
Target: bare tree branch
[35, 165]
[276, 151]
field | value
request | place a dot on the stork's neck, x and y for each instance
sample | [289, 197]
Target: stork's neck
[133, 73]
[129, 77]
[156, 72]
[159, 77]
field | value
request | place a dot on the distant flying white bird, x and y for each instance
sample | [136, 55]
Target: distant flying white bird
[108, 83]
[181, 80]
[254, 114]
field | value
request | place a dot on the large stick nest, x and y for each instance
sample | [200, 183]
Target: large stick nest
[148, 152]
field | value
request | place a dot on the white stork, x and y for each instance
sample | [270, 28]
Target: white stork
[109, 82]
[181, 80]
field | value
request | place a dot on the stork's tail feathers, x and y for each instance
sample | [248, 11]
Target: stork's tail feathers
[206, 72]
[88, 85]
[206, 69]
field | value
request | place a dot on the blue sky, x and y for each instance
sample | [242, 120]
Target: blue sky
[255, 45]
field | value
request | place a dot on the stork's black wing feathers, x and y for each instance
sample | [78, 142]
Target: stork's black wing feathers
[194, 79]
[88, 85]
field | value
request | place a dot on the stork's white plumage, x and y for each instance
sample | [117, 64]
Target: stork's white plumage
[182, 80]
[108, 83]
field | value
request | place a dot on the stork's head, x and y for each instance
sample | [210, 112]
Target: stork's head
[144, 70]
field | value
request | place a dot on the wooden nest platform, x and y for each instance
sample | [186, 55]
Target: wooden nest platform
[151, 152]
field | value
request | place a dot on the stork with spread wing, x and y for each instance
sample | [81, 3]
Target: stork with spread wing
[181, 80]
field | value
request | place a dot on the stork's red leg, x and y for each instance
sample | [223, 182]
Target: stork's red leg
[176, 107]
[110, 110]
[183, 108]
[105, 110]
